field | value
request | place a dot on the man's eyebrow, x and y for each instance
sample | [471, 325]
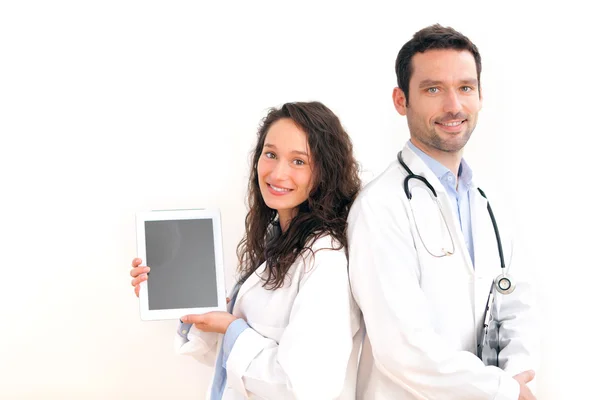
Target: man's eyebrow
[430, 82]
[471, 82]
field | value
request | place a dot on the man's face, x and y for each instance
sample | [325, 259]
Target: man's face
[444, 100]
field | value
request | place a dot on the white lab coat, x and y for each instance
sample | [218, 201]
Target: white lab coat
[423, 314]
[304, 339]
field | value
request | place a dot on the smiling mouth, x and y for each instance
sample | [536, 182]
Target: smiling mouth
[279, 189]
[451, 124]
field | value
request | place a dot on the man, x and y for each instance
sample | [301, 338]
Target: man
[421, 269]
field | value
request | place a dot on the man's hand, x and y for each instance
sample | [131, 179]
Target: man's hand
[214, 321]
[523, 378]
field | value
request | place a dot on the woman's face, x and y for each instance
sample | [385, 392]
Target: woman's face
[285, 169]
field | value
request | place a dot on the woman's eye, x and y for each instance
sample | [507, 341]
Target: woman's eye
[269, 154]
[298, 162]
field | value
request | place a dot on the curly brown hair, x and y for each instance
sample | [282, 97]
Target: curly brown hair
[335, 184]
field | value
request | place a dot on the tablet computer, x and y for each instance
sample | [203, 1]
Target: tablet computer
[183, 249]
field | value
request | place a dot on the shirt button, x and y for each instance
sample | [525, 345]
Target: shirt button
[184, 331]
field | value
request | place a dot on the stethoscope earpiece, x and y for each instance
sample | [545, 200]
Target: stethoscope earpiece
[504, 284]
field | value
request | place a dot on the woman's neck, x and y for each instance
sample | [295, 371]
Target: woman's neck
[285, 218]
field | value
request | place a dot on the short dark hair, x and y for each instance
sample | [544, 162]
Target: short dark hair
[433, 37]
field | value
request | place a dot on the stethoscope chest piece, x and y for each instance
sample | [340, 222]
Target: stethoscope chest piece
[504, 284]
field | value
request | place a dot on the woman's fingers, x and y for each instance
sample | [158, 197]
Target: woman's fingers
[139, 274]
[139, 270]
[139, 279]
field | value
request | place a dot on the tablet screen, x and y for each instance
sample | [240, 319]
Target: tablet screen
[181, 255]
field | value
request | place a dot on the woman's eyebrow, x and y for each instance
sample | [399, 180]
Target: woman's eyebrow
[272, 146]
[300, 152]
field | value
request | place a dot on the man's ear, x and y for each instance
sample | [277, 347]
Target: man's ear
[399, 100]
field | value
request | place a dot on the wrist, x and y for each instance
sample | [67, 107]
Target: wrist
[228, 323]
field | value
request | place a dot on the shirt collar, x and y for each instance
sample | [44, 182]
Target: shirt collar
[465, 174]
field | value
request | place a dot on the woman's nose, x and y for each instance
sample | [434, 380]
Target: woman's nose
[280, 170]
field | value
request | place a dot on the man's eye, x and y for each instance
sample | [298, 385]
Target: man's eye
[433, 90]
[466, 89]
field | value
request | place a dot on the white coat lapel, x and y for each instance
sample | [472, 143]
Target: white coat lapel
[487, 261]
[252, 281]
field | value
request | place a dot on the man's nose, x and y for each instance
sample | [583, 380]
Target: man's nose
[452, 103]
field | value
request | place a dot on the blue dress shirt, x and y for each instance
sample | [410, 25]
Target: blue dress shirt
[460, 197]
[233, 332]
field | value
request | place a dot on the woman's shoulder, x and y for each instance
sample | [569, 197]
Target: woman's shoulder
[325, 250]
[326, 242]
[325, 257]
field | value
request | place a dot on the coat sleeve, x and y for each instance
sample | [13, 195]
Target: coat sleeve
[384, 275]
[311, 359]
[191, 341]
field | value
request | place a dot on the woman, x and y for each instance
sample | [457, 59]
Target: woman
[293, 330]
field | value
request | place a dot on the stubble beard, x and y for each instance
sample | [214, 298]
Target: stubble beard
[429, 137]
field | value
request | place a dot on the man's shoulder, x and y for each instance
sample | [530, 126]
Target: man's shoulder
[388, 182]
[382, 197]
[502, 202]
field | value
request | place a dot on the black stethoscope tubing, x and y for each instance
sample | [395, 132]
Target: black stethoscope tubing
[503, 283]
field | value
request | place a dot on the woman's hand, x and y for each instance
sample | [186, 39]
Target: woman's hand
[214, 321]
[139, 273]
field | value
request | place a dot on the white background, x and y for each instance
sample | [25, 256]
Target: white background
[112, 107]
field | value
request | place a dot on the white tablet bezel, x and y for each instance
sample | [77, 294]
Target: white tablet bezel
[213, 214]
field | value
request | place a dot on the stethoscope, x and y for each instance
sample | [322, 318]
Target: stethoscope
[503, 282]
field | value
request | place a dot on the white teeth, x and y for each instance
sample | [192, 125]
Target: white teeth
[452, 123]
[278, 189]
